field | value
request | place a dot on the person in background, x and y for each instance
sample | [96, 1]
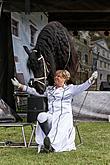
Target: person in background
[55, 131]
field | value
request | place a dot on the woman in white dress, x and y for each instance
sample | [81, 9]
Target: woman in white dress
[55, 130]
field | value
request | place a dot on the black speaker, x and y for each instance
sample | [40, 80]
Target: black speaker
[105, 86]
[35, 106]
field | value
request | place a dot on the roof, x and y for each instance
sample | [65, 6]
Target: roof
[79, 14]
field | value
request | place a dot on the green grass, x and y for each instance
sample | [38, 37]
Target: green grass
[95, 149]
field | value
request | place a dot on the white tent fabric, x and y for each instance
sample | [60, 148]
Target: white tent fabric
[96, 105]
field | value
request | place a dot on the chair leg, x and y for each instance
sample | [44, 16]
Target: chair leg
[32, 134]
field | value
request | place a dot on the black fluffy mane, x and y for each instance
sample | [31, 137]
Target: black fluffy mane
[53, 43]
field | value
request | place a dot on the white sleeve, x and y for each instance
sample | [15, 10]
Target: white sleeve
[77, 89]
[31, 91]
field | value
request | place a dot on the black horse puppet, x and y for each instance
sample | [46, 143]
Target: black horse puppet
[54, 50]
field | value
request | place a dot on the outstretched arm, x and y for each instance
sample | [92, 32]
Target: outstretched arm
[82, 87]
[25, 88]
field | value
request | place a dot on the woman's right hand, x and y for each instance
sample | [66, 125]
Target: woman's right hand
[93, 77]
[16, 83]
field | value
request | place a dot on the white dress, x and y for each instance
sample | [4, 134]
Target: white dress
[59, 115]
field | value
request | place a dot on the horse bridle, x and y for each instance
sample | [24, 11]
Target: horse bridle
[45, 68]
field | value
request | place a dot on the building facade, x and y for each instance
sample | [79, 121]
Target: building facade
[25, 29]
[82, 42]
[101, 60]
[93, 55]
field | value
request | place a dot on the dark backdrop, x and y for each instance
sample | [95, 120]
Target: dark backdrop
[6, 60]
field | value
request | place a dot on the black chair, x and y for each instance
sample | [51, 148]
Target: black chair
[35, 105]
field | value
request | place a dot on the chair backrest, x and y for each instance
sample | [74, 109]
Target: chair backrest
[35, 106]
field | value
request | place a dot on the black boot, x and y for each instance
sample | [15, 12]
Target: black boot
[45, 127]
[47, 145]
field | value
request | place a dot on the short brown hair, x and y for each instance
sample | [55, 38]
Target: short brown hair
[64, 73]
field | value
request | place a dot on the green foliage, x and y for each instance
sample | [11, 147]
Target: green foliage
[95, 149]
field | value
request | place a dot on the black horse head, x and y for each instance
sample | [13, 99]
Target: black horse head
[40, 69]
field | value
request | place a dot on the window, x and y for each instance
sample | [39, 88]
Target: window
[101, 64]
[104, 65]
[107, 55]
[14, 27]
[98, 51]
[86, 58]
[79, 55]
[85, 42]
[33, 31]
[100, 76]
[94, 63]
[103, 52]
[108, 78]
